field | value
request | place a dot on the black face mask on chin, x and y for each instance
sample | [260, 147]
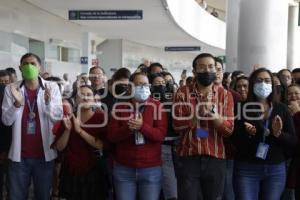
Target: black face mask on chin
[158, 91]
[206, 78]
[121, 89]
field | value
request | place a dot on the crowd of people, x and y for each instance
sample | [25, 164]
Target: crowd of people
[216, 136]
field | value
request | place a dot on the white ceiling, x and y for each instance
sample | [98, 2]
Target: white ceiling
[156, 29]
[221, 4]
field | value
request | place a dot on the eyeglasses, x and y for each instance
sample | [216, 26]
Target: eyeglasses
[144, 85]
[159, 83]
[266, 80]
[205, 68]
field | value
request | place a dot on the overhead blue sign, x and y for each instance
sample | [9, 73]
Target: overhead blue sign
[84, 60]
[105, 14]
[187, 48]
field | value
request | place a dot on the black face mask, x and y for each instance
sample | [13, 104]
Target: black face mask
[121, 89]
[158, 91]
[206, 78]
[170, 87]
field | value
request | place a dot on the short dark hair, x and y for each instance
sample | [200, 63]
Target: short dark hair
[236, 73]
[240, 78]
[252, 79]
[4, 73]
[189, 80]
[219, 60]
[156, 64]
[279, 75]
[200, 56]
[134, 75]
[11, 70]
[154, 76]
[30, 55]
[282, 70]
[168, 74]
[121, 73]
[54, 79]
[296, 70]
[96, 67]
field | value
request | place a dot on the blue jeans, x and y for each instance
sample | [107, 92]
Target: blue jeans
[21, 173]
[169, 181]
[259, 181]
[144, 183]
[228, 189]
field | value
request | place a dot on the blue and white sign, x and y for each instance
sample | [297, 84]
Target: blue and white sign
[84, 60]
[105, 14]
[183, 48]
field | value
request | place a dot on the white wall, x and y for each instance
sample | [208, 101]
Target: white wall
[109, 54]
[135, 53]
[21, 18]
[57, 68]
[124, 53]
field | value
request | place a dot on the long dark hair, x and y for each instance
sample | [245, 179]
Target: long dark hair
[251, 96]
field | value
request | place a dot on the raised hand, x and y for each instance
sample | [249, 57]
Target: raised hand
[250, 128]
[277, 126]
[294, 107]
[67, 123]
[76, 124]
[47, 94]
[16, 93]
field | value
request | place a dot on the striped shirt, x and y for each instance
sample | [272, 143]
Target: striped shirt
[187, 104]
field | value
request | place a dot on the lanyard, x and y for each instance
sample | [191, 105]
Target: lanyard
[31, 107]
[211, 99]
[266, 124]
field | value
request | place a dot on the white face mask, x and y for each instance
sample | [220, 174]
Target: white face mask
[262, 90]
[141, 93]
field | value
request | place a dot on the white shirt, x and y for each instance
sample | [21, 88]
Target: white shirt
[48, 114]
[67, 88]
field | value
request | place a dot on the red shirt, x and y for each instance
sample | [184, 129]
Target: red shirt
[185, 102]
[31, 144]
[79, 156]
[154, 130]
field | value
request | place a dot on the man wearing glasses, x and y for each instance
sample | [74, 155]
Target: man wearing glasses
[203, 117]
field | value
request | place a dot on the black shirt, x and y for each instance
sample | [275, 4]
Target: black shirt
[279, 148]
[5, 131]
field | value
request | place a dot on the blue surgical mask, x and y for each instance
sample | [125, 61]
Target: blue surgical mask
[141, 93]
[262, 90]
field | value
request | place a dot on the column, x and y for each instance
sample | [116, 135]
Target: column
[232, 27]
[293, 46]
[86, 51]
[262, 37]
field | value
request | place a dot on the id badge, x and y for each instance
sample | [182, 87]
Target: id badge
[139, 139]
[31, 127]
[262, 150]
[201, 133]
